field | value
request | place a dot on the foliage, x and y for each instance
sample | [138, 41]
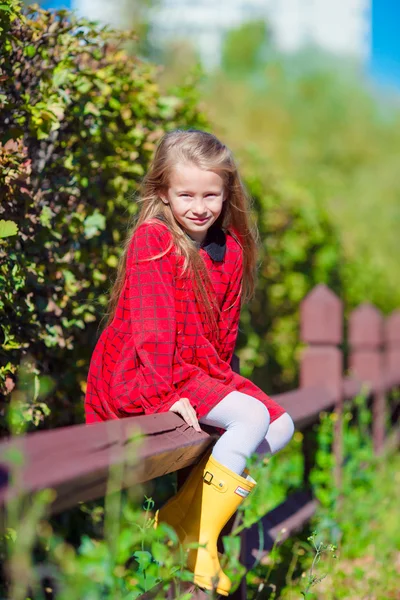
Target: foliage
[117, 553]
[7, 228]
[244, 48]
[299, 249]
[124, 558]
[353, 528]
[79, 122]
[320, 548]
[319, 122]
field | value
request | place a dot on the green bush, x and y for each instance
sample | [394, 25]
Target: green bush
[300, 248]
[79, 122]
[318, 120]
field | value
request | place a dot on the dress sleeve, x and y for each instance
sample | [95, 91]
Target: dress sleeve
[152, 306]
[230, 313]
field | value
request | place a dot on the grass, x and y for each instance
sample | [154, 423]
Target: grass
[368, 558]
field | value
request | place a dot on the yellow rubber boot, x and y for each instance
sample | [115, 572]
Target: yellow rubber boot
[175, 509]
[217, 498]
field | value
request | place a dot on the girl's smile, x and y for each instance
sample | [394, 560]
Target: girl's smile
[200, 220]
[196, 197]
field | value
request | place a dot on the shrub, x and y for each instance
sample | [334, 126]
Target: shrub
[79, 122]
[300, 248]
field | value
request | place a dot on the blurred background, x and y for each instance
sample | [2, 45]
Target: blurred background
[364, 31]
[310, 87]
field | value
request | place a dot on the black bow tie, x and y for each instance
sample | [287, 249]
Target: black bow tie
[214, 243]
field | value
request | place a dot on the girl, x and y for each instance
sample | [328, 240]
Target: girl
[189, 263]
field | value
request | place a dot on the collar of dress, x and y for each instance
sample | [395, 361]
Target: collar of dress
[214, 243]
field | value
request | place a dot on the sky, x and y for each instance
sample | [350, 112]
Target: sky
[385, 42]
[57, 4]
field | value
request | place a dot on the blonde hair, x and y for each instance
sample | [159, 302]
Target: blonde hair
[206, 152]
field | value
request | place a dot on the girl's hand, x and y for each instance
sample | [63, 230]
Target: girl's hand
[186, 410]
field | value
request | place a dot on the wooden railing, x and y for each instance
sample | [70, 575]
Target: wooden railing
[75, 461]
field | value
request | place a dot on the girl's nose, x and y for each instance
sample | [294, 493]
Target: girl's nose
[199, 207]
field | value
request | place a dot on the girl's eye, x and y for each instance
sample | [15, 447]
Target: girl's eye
[188, 195]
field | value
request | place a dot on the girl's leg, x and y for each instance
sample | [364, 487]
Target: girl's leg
[246, 421]
[279, 434]
[248, 430]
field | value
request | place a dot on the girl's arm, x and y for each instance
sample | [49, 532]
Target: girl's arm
[230, 313]
[150, 290]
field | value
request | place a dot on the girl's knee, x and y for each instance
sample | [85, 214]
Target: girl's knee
[288, 425]
[259, 417]
[241, 412]
[284, 426]
[252, 415]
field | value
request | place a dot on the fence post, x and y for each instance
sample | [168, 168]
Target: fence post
[321, 363]
[392, 343]
[367, 362]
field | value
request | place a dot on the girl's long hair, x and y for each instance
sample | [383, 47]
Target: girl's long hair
[206, 152]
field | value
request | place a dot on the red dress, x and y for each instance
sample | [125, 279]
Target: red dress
[158, 347]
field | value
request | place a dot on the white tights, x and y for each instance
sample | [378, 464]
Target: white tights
[248, 430]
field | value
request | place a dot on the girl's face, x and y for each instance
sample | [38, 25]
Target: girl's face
[196, 198]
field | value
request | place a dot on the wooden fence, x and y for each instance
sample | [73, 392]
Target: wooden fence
[75, 461]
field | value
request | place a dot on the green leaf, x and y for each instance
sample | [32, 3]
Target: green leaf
[8, 228]
[114, 103]
[60, 76]
[94, 224]
[144, 559]
[168, 106]
[46, 216]
[91, 109]
[160, 552]
[10, 534]
[30, 51]
[84, 86]
[42, 134]
[112, 261]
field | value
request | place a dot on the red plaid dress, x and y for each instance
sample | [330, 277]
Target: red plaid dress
[158, 347]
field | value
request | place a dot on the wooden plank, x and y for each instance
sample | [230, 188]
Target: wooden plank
[304, 405]
[391, 380]
[75, 460]
[352, 386]
[392, 441]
